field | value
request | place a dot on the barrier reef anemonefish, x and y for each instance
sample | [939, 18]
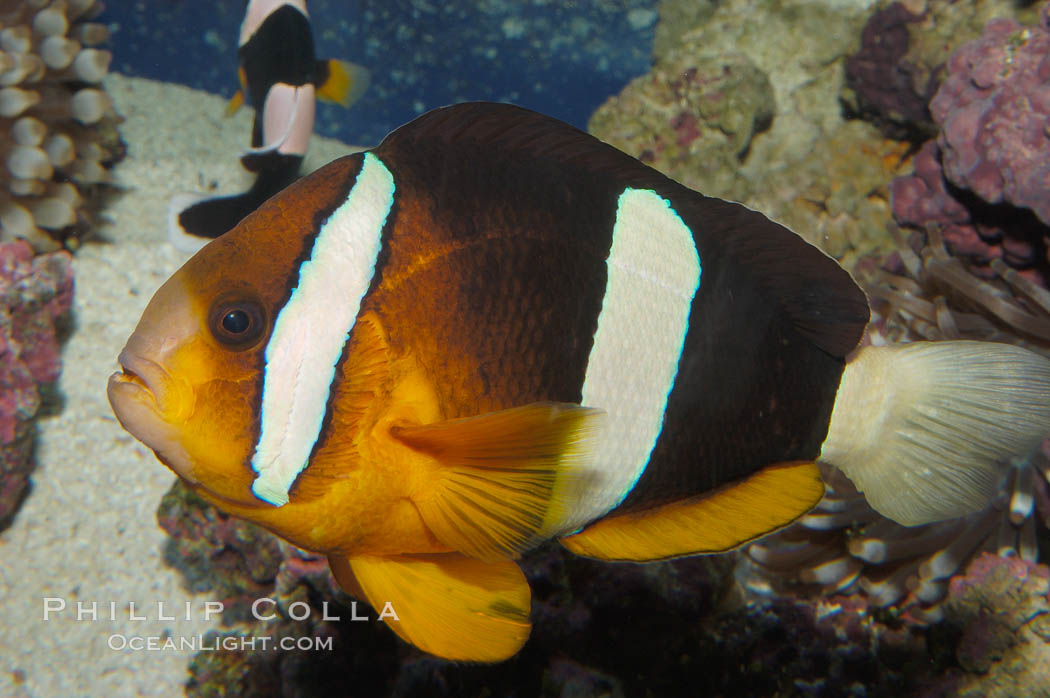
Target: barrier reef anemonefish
[282, 78]
[494, 329]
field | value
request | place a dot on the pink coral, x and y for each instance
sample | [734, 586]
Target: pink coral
[993, 109]
[973, 229]
[986, 178]
[34, 293]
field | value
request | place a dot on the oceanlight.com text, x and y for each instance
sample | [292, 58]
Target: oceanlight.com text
[213, 643]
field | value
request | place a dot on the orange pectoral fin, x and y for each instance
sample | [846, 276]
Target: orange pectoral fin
[502, 477]
[449, 605]
[770, 499]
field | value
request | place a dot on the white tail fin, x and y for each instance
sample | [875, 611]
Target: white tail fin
[922, 429]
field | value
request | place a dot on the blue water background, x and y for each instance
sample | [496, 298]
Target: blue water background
[560, 58]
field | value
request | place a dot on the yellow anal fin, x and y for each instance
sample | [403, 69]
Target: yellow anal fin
[449, 605]
[712, 523]
[345, 84]
[235, 103]
[502, 477]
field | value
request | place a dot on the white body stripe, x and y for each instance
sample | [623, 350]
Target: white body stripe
[313, 326]
[288, 119]
[653, 275]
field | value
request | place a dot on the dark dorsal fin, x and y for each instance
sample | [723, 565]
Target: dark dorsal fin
[819, 296]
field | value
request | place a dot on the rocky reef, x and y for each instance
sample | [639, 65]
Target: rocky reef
[58, 135]
[35, 296]
[750, 111]
[900, 61]
[1000, 610]
[985, 179]
[236, 562]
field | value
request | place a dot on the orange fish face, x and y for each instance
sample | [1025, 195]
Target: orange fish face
[193, 369]
[190, 373]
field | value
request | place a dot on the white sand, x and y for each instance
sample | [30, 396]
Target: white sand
[88, 532]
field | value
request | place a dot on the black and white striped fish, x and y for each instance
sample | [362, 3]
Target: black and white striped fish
[281, 78]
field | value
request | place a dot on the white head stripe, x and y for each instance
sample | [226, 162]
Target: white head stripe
[312, 328]
[257, 12]
[653, 275]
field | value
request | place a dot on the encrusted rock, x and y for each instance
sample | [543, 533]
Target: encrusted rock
[35, 293]
[986, 179]
[781, 144]
[1001, 609]
[690, 109]
[900, 59]
[993, 109]
[235, 560]
[676, 18]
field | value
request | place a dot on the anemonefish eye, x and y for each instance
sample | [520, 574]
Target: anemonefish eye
[237, 323]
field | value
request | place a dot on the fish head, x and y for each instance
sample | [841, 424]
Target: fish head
[191, 375]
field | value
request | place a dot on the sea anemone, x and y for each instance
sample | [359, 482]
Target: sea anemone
[844, 546]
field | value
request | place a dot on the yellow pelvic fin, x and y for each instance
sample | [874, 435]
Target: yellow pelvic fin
[235, 103]
[345, 84]
[449, 605]
[769, 499]
[502, 481]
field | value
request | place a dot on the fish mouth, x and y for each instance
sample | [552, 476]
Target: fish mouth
[143, 378]
[142, 396]
[126, 375]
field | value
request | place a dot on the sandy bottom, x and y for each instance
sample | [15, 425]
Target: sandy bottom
[88, 531]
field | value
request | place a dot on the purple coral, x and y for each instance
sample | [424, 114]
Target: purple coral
[973, 229]
[993, 109]
[986, 178]
[34, 293]
[882, 78]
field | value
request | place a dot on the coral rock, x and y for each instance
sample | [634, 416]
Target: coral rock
[749, 111]
[34, 294]
[886, 86]
[993, 109]
[690, 109]
[900, 60]
[986, 178]
[1001, 608]
[235, 560]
